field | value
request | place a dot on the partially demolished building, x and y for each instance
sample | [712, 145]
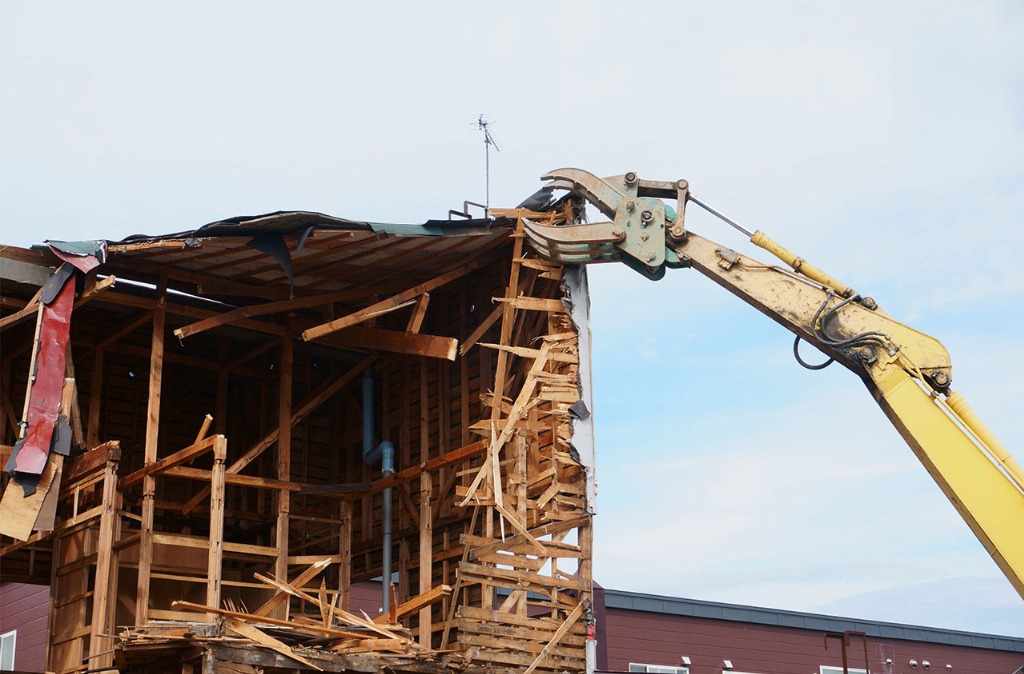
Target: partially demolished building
[210, 436]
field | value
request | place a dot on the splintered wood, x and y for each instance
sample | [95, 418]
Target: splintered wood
[257, 543]
[525, 561]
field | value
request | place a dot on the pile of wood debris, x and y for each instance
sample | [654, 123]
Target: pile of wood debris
[240, 640]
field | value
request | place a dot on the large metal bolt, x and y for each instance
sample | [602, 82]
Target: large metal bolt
[630, 178]
[651, 256]
[630, 206]
[682, 184]
[940, 378]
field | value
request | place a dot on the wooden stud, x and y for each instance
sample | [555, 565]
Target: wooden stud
[216, 543]
[426, 555]
[418, 314]
[345, 552]
[284, 453]
[106, 576]
[156, 363]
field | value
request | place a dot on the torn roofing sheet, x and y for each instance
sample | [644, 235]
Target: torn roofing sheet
[47, 382]
[291, 222]
[292, 254]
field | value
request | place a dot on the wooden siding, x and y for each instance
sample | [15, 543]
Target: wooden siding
[24, 608]
[660, 639]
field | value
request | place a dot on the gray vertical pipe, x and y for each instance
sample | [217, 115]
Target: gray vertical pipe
[386, 453]
[387, 468]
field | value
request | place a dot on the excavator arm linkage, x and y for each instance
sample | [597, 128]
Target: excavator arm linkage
[907, 372]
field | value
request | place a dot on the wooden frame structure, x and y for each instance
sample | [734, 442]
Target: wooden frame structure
[216, 510]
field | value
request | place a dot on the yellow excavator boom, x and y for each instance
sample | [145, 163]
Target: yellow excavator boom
[907, 372]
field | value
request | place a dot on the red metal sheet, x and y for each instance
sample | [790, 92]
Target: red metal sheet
[83, 263]
[44, 398]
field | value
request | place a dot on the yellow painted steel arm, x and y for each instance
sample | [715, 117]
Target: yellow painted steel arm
[907, 371]
[991, 504]
[974, 471]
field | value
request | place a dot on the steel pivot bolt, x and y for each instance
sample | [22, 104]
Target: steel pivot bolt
[630, 206]
[630, 178]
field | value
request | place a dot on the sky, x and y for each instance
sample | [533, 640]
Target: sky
[883, 141]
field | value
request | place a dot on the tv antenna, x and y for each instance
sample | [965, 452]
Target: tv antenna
[484, 125]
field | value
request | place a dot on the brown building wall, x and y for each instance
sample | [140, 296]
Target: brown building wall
[661, 639]
[24, 608]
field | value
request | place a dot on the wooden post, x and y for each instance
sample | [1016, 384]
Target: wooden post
[95, 397]
[585, 535]
[215, 560]
[345, 553]
[426, 554]
[105, 587]
[284, 462]
[156, 367]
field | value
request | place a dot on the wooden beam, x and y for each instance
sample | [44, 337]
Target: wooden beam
[533, 304]
[392, 302]
[394, 341]
[95, 289]
[418, 603]
[402, 476]
[229, 317]
[479, 331]
[25, 313]
[181, 456]
[93, 460]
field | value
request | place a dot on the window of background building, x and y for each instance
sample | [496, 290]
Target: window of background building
[7, 650]
[657, 669]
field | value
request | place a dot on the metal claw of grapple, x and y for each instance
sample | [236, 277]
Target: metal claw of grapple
[636, 233]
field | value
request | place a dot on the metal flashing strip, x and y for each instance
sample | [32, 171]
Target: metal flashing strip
[695, 608]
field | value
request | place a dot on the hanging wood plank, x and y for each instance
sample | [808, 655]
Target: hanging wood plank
[394, 341]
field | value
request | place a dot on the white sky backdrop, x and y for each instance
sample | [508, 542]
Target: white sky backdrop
[881, 140]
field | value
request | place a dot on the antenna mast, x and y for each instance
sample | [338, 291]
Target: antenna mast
[483, 124]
